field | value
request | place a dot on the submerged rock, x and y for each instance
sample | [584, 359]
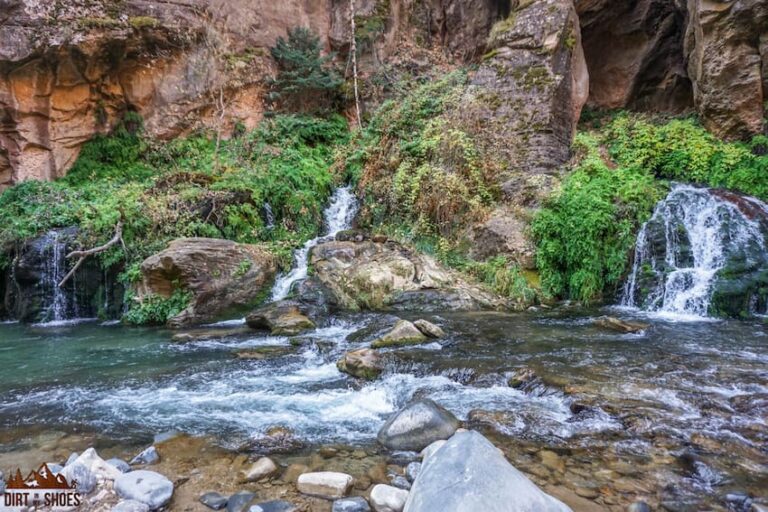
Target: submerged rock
[403, 333]
[240, 501]
[353, 504]
[325, 484]
[148, 487]
[259, 470]
[363, 363]
[417, 425]
[263, 352]
[615, 324]
[469, 473]
[214, 500]
[283, 318]
[385, 498]
[221, 275]
[274, 506]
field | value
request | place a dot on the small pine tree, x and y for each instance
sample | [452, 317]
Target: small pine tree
[306, 80]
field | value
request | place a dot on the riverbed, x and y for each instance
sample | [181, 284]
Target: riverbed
[677, 414]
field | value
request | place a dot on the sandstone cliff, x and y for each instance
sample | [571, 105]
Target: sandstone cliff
[68, 69]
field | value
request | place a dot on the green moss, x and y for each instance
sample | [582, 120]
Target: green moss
[141, 22]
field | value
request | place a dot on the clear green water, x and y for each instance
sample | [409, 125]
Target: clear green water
[600, 397]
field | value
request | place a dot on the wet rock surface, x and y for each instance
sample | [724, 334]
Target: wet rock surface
[417, 425]
[283, 318]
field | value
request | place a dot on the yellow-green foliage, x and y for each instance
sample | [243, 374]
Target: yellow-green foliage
[415, 166]
[585, 234]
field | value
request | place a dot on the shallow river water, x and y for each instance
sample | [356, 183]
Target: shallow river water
[676, 415]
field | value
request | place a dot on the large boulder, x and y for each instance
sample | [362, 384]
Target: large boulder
[417, 425]
[222, 276]
[284, 318]
[469, 473]
[373, 276]
[148, 487]
[525, 98]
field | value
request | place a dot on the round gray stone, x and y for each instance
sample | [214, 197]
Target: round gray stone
[417, 425]
[120, 464]
[213, 500]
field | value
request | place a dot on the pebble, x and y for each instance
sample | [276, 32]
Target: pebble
[400, 482]
[213, 500]
[587, 492]
[147, 457]
[274, 506]
[412, 470]
[639, 506]
[130, 506]
[385, 498]
[325, 484]
[120, 464]
[355, 504]
[259, 470]
[404, 457]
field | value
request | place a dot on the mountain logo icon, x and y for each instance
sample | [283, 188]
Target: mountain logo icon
[41, 479]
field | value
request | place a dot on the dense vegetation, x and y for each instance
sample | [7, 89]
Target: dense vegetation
[586, 233]
[184, 188]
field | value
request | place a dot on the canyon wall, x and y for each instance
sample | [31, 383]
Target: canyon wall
[69, 69]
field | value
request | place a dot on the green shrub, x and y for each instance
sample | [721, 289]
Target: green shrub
[586, 232]
[684, 151]
[156, 310]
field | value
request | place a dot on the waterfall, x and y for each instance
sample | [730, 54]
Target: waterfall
[269, 216]
[338, 217]
[53, 271]
[700, 243]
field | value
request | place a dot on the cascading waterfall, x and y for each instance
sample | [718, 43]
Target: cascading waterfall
[53, 272]
[338, 217]
[696, 239]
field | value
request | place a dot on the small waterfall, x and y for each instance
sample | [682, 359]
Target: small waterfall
[697, 240]
[53, 271]
[338, 217]
[269, 216]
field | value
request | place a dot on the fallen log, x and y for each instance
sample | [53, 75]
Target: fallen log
[82, 255]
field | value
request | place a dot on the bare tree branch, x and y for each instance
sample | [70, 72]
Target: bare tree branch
[82, 255]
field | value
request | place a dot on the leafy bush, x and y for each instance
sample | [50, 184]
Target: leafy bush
[414, 166]
[586, 232]
[156, 310]
[306, 80]
[684, 151]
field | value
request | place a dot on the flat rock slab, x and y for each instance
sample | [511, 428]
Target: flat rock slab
[325, 484]
[416, 426]
[469, 473]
